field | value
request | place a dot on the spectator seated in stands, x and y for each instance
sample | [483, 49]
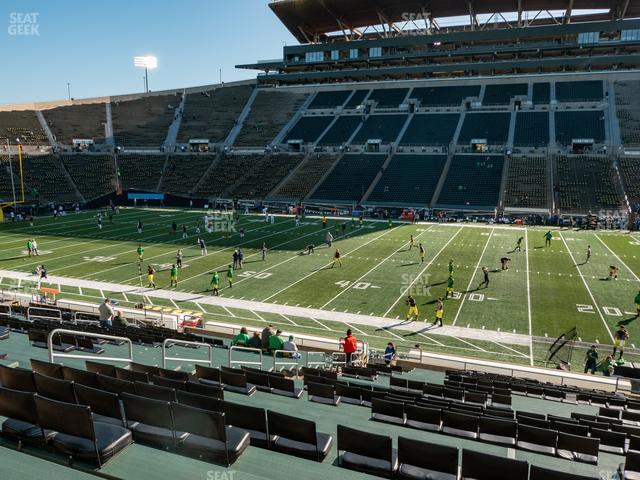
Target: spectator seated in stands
[242, 339]
[119, 320]
[255, 341]
[290, 346]
[266, 334]
[276, 342]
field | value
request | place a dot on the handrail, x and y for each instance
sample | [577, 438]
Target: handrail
[243, 362]
[287, 354]
[310, 364]
[335, 356]
[44, 309]
[57, 331]
[184, 342]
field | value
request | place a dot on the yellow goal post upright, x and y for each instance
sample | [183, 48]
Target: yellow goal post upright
[17, 199]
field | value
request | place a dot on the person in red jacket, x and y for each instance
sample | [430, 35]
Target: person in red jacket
[349, 345]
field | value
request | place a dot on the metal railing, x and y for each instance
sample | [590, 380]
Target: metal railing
[65, 331]
[45, 310]
[313, 364]
[286, 354]
[236, 348]
[338, 363]
[189, 360]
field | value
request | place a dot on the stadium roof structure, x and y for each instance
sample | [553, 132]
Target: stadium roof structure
[313, 20]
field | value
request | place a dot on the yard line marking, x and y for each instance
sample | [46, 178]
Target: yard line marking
[100, 290]
[320, 323]
[473, 345]
[326, 265]
[354, 328]
[435, 342]
[509, 348]
[147, 300]
[619, 259]
[288, 320]
[388, 330]
[270, 267]
[586, 286]
[422, 271]
[126, 299]
[229, 311]
[526, 251]
[193, 247]
[79, 289]
[174, 304]
[473, 276]
[257, 315]
[359, 279]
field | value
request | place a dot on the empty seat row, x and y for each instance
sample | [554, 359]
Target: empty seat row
[506, 432]
[374, 454]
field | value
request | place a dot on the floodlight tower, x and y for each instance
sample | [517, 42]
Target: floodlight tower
[147, 62]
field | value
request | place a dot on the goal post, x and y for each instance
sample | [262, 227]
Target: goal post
[15, 173]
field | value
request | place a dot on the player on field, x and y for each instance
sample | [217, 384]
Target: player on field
[34, 247]
[413, 308]
[179, 257]
[328, 238]
[324, 221]
[140, 252]
[504, 261]
[184, 231]
[215, 283]
[613, 272]
[637, 301]
[99, 222]
[203, 246]
[150, 274]
[421, 252]
[439, 312]
[230, 275]
[241, 233]
[309, 249]
[485, 281]
[451, 267]
[173, 275]
[140, 226]
[450, 284]
[263, 250]
[174, 227]
[336, 259]
[235, 258]
[620, 338]
[588, 254]
[547, 238]
[519, 245]
[29, 247]
[412, 242]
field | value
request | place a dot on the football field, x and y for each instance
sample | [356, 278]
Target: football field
[544, 292]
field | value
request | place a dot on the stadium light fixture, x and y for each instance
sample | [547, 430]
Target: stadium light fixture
[147, 62]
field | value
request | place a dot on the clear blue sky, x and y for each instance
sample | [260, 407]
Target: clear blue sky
[91, 44]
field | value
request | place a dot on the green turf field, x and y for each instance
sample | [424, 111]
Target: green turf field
[547, 290]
